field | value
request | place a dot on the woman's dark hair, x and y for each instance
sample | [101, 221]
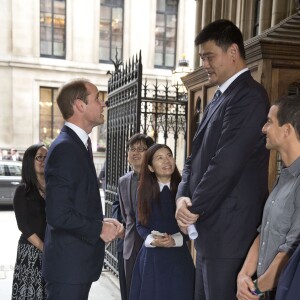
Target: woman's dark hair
[148, 189]
[29, 178]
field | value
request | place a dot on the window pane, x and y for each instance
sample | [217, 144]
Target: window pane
[158, 59]
[104, 53]
[59, 6]
[45, 113]
[52, 28]
[59, 35]
[58, 49]
[46, 47]
[165, 33]
[161, 5]
[111, 29]
[169, 60]
[46, 5]
[51, 120]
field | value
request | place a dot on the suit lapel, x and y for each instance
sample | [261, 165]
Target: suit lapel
[209, 111]
[208, 114]
[132, 198]
[77, 140]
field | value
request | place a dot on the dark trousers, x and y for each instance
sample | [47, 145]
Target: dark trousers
[122, 278]
[269, 295]
[63, 291]
[129, 265]
[216, 278]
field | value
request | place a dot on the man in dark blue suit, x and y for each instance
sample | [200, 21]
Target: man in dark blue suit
[224, 183]
[76, 232]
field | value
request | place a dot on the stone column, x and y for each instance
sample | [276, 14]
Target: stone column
[198, 27]
[279, 11]
[206, 12]
[264, 15]
[229, 10]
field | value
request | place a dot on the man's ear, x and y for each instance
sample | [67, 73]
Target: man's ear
[234, 50]
[288, 129]
[150, 168]
[79, 105]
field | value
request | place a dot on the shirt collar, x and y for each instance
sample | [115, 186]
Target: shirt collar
[223, 87]
[79, 131]
[294, 168]
[162, 185]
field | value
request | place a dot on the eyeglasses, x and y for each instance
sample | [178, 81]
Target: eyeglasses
[40, 158]
[138, 149]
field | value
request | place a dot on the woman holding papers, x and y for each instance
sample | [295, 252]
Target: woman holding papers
[164, 268]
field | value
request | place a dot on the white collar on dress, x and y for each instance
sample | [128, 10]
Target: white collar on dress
[161, 185]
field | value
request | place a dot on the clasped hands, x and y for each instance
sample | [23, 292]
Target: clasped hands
[111, 230]
[183, 216]
[244, 287]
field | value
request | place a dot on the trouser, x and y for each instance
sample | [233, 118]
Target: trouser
[216, 278]
[63, 291]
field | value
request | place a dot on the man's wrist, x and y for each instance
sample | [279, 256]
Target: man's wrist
[257, 291]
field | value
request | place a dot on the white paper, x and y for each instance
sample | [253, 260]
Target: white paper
[192, 231]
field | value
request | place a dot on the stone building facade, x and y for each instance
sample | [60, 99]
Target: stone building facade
[30, 76]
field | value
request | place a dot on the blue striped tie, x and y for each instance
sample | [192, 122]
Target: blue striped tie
[216, 96]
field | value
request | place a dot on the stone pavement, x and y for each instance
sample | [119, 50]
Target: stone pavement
[106, 288]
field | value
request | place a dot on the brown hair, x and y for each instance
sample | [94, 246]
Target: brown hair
[148, 189]
[68, 93]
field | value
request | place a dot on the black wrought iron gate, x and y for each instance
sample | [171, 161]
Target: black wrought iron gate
[158, 111]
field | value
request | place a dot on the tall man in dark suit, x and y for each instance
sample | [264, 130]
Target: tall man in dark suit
[224, 182]
[125, 207]
[76, 232]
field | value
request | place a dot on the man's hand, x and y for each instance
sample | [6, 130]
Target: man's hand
[120, 227]
[183, 216]
[109, 231]
[244, 287]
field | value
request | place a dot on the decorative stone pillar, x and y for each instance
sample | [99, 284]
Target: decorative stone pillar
[279, 12]
[265, 15]
[206, 12]
[198, 27]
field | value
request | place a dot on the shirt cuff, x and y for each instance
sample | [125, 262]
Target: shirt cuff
[148, 241]
[178, 238]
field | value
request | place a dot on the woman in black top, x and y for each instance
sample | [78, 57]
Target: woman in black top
[29, 207]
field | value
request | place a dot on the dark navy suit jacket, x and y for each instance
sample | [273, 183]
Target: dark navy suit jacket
[73, 250]
[289, 281]
[226, 175]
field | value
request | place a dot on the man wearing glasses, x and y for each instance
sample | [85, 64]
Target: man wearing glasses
[125, 208]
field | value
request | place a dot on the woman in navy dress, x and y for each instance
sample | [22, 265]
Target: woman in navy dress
[164, 268]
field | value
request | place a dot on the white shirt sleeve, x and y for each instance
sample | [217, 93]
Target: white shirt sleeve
[178, 238]
[148, 241]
